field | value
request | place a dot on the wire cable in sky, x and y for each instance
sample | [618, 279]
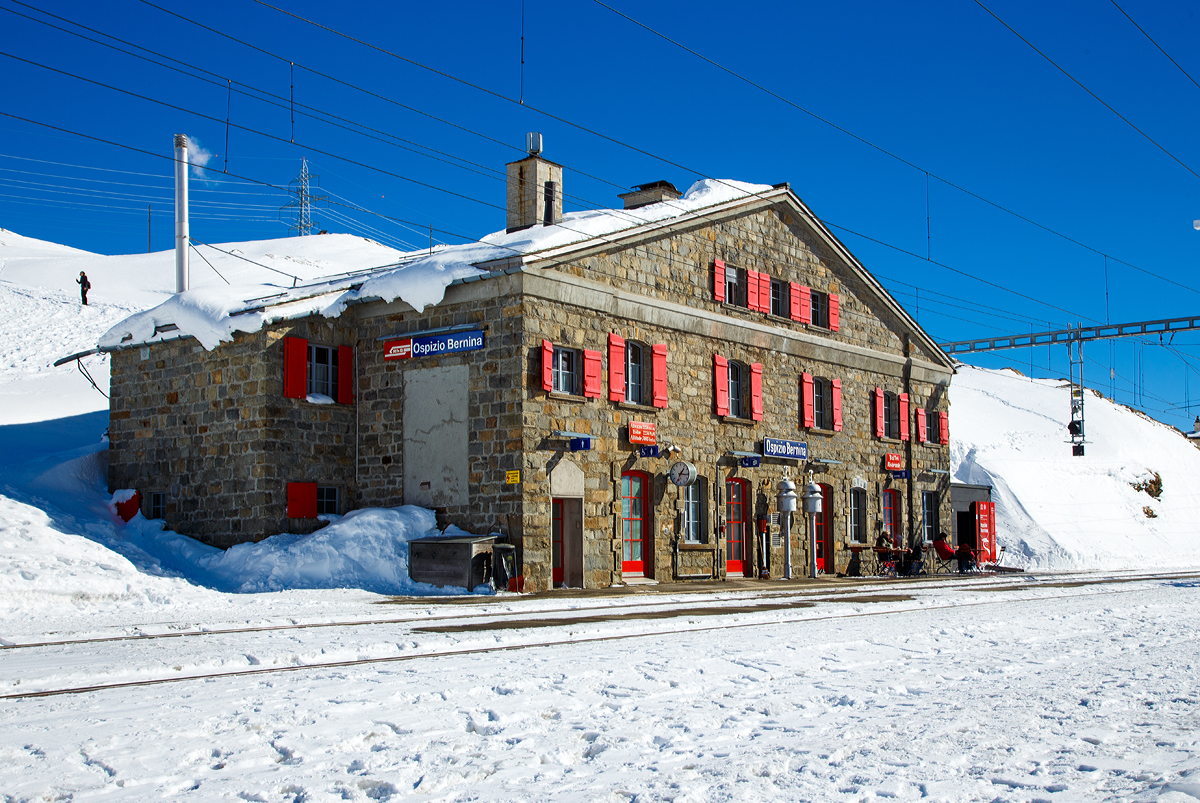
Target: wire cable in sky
[1156, 44]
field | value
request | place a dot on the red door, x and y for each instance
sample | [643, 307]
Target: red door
[556, 541]
[825, 530]
[634, 521]
[891, 514]
[737, 525]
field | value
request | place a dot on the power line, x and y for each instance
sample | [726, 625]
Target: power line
[1156, 44]
[1090, 92]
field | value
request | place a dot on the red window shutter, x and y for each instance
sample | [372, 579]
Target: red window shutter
[302, 500]
[295, 367]
[764, 292]
[616, 368]
[547, 365]
[834, 319]
[878, 412]
[794, 307]
[660, 374]
[721, 383]
[808, 412]
[805, 304]
[944, 426]
[903, 416]
[920, 418]
[592, 361]
[719, 280]
[752, 290]
[345, 375]
[837, 405]
[756, 400]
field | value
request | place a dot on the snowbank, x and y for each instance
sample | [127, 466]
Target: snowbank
[1059, 512]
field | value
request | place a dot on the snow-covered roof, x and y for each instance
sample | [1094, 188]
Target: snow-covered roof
[212, 314]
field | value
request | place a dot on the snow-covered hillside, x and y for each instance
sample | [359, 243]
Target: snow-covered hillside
[1059, 512]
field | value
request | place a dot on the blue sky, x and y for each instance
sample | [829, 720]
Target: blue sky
[943, 86]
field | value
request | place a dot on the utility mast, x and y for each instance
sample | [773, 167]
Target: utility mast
[1075, 425]
[301, 205]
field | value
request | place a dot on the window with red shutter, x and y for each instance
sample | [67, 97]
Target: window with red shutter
[764, 293]
[547, 366]
[837, 405]
[919, 417]
[752, 286]
[756, 397]
[944, 426]
[794, 291]
[591, 374]
[903, 416]
[295, 367]
[805, 304]
[659, 371]
[302, 500]
[345, 389]
[719, 281]
[616, 368]
[721, 383]
[807, 403]
[834, 314]
[879, 412]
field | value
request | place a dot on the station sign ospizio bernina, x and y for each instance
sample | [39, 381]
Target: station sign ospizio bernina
[432, 345]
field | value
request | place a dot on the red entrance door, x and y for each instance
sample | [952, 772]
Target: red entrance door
[737, 525]
[891, 515]
[634, 521]
[825, 530]
[556, 541]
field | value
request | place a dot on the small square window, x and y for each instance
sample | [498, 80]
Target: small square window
[327, 500]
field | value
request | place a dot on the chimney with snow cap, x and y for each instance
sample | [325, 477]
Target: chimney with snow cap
[646, 194]
[534, 188]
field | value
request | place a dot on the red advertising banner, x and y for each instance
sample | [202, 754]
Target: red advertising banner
[642, 432]
[892, 462]
[398, 349]
[985, 531]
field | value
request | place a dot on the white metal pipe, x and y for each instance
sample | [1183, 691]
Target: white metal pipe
[181, 213]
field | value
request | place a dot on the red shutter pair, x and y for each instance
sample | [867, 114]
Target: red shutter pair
[809, 414]
[295, 370]
[721, 385]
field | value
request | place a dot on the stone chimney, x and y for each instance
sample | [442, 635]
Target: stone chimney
[646, 194]
[534, 189]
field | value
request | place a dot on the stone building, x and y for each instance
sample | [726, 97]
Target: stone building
[618, 392]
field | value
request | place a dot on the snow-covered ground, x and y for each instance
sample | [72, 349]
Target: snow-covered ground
[1007, 688]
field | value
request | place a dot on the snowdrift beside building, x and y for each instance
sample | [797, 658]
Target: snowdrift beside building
[1059, 512]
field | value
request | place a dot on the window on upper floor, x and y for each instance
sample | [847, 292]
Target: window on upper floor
[313, 369]
[933, 431]
[820, 309]
[322, 370]
[891, 415]
[820, 402]
[735, 286]
[565, 371]
[780, 298]
[636, 372]
[738, 388]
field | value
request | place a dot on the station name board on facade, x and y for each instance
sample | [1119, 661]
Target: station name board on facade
[431, 345]
[793, 450]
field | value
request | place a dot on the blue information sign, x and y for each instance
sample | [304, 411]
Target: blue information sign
[750, 462]
[429, 345]
[581, 444]
[792, 450]
[647, 451]
[901, 475]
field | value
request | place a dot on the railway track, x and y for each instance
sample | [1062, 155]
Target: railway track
[494, 621]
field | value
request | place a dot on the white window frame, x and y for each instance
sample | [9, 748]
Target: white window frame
[820, 308]
[781, 298]
[739, 406]
[693, 512]
[929, 515]
[565, 371]
[322, 370]
[858, 516]
[635, 364]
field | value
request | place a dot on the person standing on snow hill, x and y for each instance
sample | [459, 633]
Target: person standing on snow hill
[84, 286]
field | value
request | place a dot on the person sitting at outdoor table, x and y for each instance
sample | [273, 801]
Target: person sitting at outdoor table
[884, 541]
[916, 557]
[963, 554]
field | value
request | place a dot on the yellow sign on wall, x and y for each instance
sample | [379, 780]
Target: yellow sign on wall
[512, 477]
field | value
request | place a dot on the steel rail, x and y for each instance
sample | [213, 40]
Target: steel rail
[469, 650]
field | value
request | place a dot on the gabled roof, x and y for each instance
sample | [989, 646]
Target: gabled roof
[212, 315]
